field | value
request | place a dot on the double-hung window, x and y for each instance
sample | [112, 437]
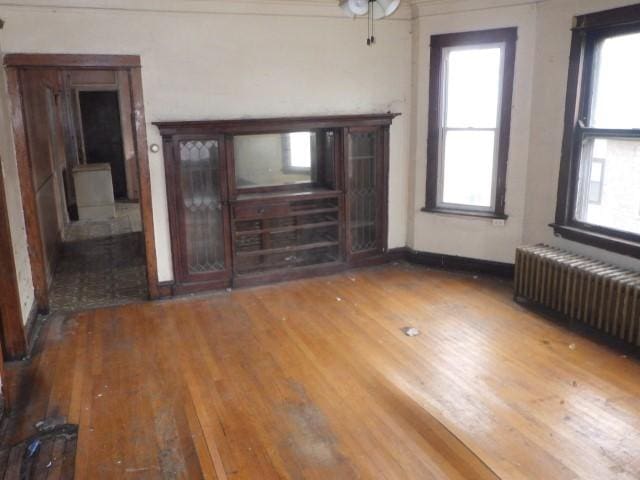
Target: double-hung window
[597, 205]
[471, 83]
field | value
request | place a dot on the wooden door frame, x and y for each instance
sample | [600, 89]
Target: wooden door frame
[130, 64]
[14, 343]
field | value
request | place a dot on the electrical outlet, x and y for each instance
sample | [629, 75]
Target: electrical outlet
[498, 222]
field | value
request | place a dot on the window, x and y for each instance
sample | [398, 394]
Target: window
[297, 154]
[471, 84]
[599, 187]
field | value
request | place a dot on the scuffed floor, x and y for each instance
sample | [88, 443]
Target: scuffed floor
[315, 379]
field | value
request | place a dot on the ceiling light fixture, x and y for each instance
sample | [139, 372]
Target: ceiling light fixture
[375, 9]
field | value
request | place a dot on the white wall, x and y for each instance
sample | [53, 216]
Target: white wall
[454, 234]
[210, 65]
[9, 173]
[547, 122]
[542, 62]
[240, 58]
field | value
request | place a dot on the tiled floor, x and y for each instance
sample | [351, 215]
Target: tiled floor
[127, 220]
[100, 272]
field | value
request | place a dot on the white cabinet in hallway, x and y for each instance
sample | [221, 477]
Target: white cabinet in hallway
[94, 191]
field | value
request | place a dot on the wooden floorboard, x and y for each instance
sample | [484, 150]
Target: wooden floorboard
[314, 379]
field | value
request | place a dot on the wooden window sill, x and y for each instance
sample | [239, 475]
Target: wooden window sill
[600, 240]
[466, 213]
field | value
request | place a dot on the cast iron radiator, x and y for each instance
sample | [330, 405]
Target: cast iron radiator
[600, 295]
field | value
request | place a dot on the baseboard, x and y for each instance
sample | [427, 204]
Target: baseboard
[465, 264]
[165, 290]
[31, 328]
[428, 259]
[397, 254]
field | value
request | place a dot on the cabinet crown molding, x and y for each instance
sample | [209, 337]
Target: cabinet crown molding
[258, 125]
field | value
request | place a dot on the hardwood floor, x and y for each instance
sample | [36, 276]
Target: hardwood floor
[314, 379]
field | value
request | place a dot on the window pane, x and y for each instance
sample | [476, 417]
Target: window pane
[611, 180]
[596, 170]
[616, 95]
[468, 168]
[300, 149]
[473, 87]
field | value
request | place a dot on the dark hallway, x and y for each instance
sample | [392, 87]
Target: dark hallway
[102, 134]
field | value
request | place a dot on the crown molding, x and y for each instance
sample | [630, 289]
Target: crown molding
[409, 9]
[299, 8]
[426, 8]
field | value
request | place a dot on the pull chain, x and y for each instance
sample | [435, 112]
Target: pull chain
[371, 39]
[369, 24]
[373, 25]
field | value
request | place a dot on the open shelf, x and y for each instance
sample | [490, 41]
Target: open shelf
[288, 195]
[287, 231]
[293, 228]
[292, 248]
[316, 254]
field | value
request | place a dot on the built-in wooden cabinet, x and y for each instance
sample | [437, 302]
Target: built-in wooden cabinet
[254, 201]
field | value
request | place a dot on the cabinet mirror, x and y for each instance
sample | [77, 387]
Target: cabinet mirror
[275, 159]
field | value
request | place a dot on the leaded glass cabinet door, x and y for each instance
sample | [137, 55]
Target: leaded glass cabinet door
[201, 210]
[365, 191]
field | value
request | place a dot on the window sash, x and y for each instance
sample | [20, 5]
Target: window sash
[444, 129]
[441, 170]
[582, 136]
[593, 43]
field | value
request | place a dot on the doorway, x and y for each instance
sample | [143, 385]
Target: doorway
[106, 203]
[101, 133]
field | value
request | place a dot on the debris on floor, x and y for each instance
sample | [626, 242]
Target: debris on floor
[33, 448]
[411, 331]
[49, 424]
[50, 453]
[572, 346]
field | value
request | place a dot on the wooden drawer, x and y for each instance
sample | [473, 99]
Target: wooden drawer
[260, 211]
